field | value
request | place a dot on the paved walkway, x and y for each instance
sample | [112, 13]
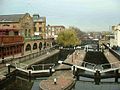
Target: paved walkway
[40, 58]
[61, 84]
[64, 78]
[111, 58]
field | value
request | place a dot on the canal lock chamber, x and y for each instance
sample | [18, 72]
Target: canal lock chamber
[21, 82]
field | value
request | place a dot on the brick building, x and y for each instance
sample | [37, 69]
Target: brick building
[39, 26]
[13, 29]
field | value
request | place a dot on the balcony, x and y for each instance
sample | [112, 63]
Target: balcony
[6, 40]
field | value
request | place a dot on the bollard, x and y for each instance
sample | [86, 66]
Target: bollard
[97, 77]
[29, 76]
[8, 65]
[8, 69]
[116, 76]
[3, 61]
[50, 70]
[55, 81]
[77, 74]
[73, 70]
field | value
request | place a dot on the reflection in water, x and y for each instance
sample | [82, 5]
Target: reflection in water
[19, 84]
[88, 84]
[24, 84]
[83, 84]
[37, 82]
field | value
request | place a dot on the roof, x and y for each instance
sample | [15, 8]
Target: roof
[11, 18]
[39, 19]
[57, 26]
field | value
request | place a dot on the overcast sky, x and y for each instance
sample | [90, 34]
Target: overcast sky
[88, 15]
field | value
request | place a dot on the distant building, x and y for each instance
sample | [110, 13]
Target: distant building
[39, 26]
[115, 40]
[53, 31]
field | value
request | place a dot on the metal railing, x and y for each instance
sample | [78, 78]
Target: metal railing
[42, 66]
[88, 65]
[28, 57]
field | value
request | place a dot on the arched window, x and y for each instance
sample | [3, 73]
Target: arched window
[28, 47]
[40, 45]
[45, 44]
[35, 46]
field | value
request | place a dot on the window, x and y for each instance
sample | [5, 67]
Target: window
[29, 32]
[25, 32]
[35, 46]
[28, 47]
[34, 29]
[40, 29]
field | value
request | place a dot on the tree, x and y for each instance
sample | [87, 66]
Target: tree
[67, 38]
[78, 31]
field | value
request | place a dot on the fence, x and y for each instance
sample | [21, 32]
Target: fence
[30, 56]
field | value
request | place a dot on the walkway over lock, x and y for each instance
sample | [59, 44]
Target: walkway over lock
[93, 67]
[37, 70]
[98, 70]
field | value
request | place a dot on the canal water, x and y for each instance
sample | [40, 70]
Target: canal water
[24, 84]
[83, 84]
[88, 84]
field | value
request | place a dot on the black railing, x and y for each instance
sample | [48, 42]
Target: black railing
[116, 54]
[30, 56]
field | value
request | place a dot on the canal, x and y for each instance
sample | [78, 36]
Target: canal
[20, 83]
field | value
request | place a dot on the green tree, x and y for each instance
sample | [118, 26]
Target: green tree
[67, 38]
[78, 31]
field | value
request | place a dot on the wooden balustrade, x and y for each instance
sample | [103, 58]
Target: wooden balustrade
[11, 39]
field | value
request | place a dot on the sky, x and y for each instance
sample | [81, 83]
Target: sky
[88, 15]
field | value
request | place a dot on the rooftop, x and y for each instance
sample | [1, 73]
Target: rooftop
[11, 18]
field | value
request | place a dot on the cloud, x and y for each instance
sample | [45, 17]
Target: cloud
[81, 13]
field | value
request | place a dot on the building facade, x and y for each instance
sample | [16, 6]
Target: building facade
[53, 31]
[22, 34]
[10, 43]
[13, 31]
[115, 40]
[39, 26]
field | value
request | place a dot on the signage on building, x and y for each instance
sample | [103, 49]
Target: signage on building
[36, 33]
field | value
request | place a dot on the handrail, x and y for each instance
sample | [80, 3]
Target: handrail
[52, 65]
[94, 69]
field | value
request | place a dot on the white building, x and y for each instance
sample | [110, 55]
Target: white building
[115, 41]
[53, 31]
